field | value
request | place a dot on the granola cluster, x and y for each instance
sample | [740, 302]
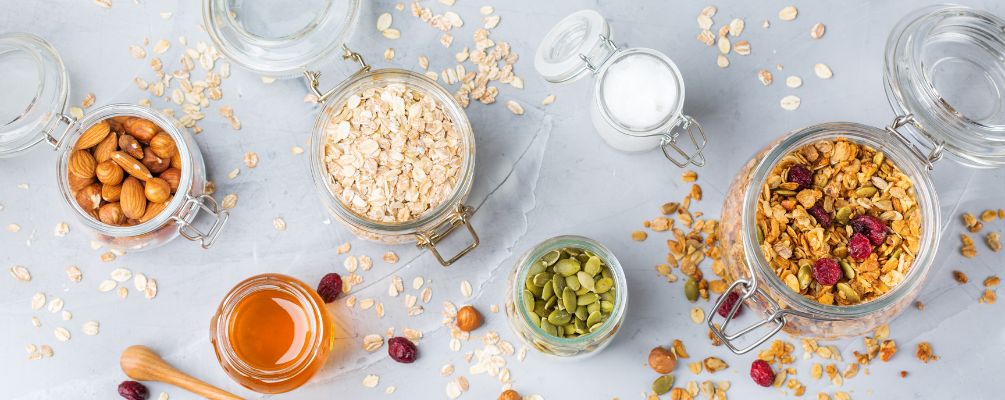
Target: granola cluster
[839, 222]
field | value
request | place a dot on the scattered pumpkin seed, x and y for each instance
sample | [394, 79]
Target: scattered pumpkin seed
[663, 384]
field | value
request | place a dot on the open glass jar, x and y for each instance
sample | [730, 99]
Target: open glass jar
[638, 93]
[34, 111]
[945, 77]
[303, 53]
[524, 324]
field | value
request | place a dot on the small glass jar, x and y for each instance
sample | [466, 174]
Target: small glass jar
[580, 45]
[39, 89]
[532, 334]
[320, 335]
[254, 43]
[919, 51]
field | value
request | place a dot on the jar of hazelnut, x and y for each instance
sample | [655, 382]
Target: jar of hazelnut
[130, 175]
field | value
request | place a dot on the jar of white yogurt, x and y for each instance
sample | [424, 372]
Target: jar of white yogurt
[638, 93]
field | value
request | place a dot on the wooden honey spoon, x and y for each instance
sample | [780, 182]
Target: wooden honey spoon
[142, 364]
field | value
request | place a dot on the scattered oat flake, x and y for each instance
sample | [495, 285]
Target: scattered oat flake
[822, 71]
[229, 201]
[123, 292]
[107, 285]
[384, 22]
[233, 174]
[137, 52]
[391, 33]
[296, 150]
[722, 61]
[55, 305]
[788, 13]
[491, 21]
[390, 257]
[91, 328]
[793, 81]
[61, 229]
[817, 31]
[514, 107]
[765, 77]
[389, 54]
[790, 102]
[121, 274]
[418, 282]
[140, 282]
[13, 228]
[165, 15]
[466, 288]
[37, 301]
[103, 3]
[61, 334]
[20, 273]
[548, 100]
[279, 223]
[343, 248]
[372, 343]
[371, 381]
[486, 10]
[697, 315]
[161, 46]
[74, 274]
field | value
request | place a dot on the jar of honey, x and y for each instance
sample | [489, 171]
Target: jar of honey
[272, 333]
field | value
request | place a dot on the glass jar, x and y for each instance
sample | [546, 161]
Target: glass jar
[532, 334]
[319, 334]
[580, 45]
[920, 52]
[35, 111]
[284, 54]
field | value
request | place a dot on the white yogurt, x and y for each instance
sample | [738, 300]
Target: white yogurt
[640, 91]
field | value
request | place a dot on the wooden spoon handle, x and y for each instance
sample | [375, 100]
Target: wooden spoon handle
[142, 364]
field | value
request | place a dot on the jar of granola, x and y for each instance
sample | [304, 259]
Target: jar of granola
[34, 111]
[638, 93]
[832, 230]
[392, 153]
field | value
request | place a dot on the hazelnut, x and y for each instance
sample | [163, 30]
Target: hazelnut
[157, 190]
[154, 163]
[111, 192]
[468, 319]
[163, 145]
[111, 214]
[172, 176]
[509, 395]
[89, 197]
[131, 146]
[109, 173]
[662, 360]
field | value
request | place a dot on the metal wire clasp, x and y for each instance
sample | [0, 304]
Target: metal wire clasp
[193, 205]
[938, 146]
[604, 41]
[748, 290]
[699, 141]
[459, 217]
[314, 77]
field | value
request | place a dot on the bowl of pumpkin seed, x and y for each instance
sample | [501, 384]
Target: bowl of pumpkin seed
[567, 296]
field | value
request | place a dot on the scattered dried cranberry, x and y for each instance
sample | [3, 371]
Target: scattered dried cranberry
[827, 271]
[801, 175]
[727, 305]
[823, 218]
[871, 227]
[132, 390]
[330, 287]
[859, 247]
[402, 350]
[761, 373]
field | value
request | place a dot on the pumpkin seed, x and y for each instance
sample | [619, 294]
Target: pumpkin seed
[866, 191]
[606, 306]
[603, 285]
[542, 278]
[528, 300]
[581, 313]
[559, 317]
[587, 299]
[843, 214]
[691, 290]
[573, 283]
[548, 328]
[592, 266]
[569, 292]
[548, 292]
[849, 294]
[805, 276]
[551, 258]
[783, 192]
[663, 384]
[849, 272]
[569, 299]
[567, 266]
[586, 280]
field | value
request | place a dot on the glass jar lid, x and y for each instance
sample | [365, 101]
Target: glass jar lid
[577, 45]
[945, 72]
[35, 85]
[276, 39]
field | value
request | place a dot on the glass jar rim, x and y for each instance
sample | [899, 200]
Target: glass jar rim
[307, 298]
[162, 122]
[580, 242]
[901, 156]
[663, 127]
[351, 86]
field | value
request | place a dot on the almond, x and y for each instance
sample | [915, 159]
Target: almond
[82, 164]
[141, 129]
[176, 161]
[132, 200]
[77, 183]
[115, 123]
[163, 145]
[153, 209]
[173, 177]
[89, 198]
[111, 192]
[131, 146]
[111, 214]
[93, 135]
[103, 151]
[157, 190]
[109, 173]
[131, 166]
[154, 163]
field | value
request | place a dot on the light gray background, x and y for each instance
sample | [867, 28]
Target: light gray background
[539, 175]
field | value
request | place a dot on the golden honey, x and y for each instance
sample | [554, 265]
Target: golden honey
[272, 333]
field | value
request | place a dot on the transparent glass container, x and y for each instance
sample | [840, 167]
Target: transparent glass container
[580, 45]
[320, 336]
[919, 52]
[37, 106]
[532, 334]
[287, 42]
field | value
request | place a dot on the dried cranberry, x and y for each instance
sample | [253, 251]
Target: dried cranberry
[727, 305]
[132, 390]
[330, 287]
[823, 218]
[871, 227]
[827, 271]
[402, 350]
[859, 247]
[761, 373]
[801, 175]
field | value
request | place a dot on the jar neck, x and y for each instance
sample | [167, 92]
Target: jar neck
[900, 155]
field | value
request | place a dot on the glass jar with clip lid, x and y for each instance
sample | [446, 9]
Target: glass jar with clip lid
[945, 80]
[377, 171]
[33, 111]
[638, 93]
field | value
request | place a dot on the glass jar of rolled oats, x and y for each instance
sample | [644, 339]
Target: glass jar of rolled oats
[945, 78]
[392, 153]
[638, 93]
[33, 111]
